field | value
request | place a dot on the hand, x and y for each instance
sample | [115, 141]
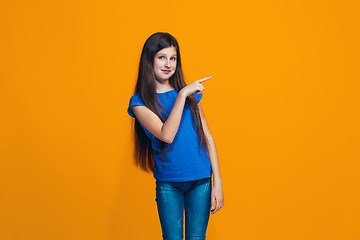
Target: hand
[217, 198]
[195, 86]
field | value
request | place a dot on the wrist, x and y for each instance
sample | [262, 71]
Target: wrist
[183, 94]
[217, 181]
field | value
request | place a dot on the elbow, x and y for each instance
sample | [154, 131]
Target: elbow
[166, 136]
[168, 140]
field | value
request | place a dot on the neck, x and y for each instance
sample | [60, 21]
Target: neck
[163, 86]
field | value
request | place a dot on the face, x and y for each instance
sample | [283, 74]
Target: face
[165, 63]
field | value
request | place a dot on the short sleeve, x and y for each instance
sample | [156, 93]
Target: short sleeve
[135, 100]
[198, 97]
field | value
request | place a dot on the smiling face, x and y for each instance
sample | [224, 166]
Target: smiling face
[165, 63]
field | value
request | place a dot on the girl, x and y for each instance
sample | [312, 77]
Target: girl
[172, 140]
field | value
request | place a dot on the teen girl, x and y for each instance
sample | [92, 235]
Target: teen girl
[172, 139]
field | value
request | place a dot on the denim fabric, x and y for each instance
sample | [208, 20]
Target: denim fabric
[192, 196]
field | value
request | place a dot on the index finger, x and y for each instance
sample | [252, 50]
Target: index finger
[204, 79]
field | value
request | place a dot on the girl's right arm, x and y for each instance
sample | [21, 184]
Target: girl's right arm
[166, 131]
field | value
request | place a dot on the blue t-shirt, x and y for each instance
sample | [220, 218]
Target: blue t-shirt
[184, 161]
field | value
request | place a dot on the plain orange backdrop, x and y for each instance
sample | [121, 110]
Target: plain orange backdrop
[283, 107]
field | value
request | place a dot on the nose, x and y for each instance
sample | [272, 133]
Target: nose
[168, 63]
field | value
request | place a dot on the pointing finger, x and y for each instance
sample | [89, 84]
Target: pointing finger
[204, 79]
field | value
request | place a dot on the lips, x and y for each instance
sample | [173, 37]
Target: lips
[166, 71]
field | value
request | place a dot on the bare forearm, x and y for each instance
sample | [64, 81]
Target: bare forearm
[217, 195]
[167, 131]
[171, 125]
[214, 160]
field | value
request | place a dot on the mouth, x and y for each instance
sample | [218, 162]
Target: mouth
[166, 71]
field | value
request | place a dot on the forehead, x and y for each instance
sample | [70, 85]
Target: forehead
[167, 51]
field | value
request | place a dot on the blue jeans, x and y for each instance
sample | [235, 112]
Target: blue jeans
[193, 196]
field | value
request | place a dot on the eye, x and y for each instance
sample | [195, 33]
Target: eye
[173, 58]
[161, 57]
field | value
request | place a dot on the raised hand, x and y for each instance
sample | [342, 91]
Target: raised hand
[195, 86]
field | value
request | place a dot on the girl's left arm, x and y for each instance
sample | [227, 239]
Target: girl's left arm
[217, 195]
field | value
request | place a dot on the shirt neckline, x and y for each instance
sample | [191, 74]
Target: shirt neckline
[167, 91]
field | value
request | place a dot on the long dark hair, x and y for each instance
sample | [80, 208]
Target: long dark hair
[145, 85]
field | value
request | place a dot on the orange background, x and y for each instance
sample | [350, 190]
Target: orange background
[283, 107]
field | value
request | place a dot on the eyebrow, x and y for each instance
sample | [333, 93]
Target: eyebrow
[165, 54]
